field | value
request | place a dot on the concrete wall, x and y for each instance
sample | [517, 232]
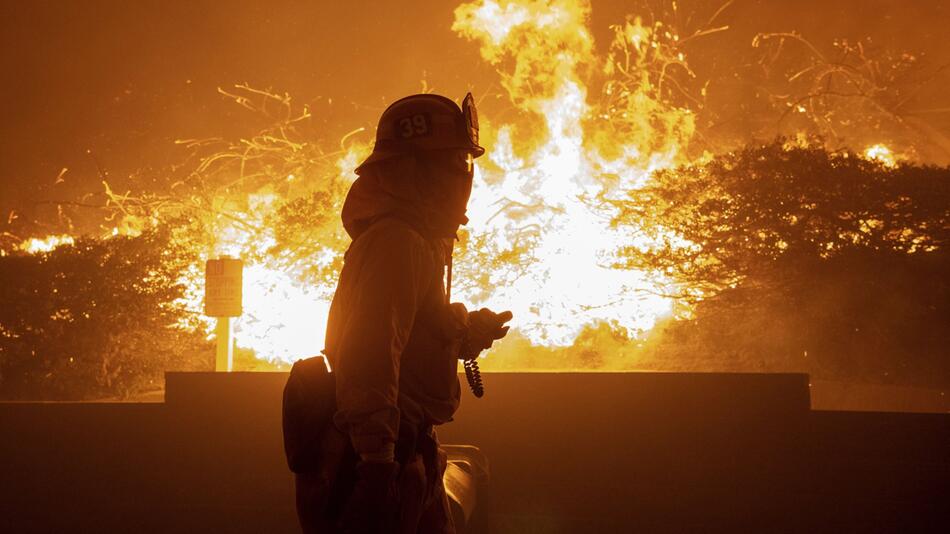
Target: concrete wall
[598, 452]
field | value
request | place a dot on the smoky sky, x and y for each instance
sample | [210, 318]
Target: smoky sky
[103, 87]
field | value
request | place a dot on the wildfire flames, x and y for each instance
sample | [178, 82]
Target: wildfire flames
[537, 212]
[35, 245]
[539, 242]
[550, 195]
[882, 154]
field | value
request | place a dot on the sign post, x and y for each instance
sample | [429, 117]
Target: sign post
[224, 292]
[224, 352]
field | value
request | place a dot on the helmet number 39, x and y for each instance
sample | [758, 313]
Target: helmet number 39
[414, 126]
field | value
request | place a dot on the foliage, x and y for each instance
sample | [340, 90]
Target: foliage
[308, 234]
[862, 317]
[95, 319]
[750, 213]
[601, 346]
[800, 258]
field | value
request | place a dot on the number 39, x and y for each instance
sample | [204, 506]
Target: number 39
[413, 126]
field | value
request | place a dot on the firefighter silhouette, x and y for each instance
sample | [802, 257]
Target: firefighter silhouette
[393, 338]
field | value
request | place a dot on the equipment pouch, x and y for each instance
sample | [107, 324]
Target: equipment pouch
[308, 408]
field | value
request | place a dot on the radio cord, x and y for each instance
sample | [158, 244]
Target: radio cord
[473, 375]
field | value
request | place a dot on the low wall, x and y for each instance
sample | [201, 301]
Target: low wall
[607, 452]
[850, 396]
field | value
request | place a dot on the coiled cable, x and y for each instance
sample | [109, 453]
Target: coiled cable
[474, 377]
[473, 374]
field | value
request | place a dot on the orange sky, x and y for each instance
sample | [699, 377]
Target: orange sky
[124, 79]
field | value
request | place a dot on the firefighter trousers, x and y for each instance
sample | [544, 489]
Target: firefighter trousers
[423, 502]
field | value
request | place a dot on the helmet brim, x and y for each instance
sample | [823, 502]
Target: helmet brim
[376, 157]
[382, 155]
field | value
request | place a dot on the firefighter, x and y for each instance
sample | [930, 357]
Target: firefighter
[393, 338]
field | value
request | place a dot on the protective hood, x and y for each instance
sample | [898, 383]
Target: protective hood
[401, 194]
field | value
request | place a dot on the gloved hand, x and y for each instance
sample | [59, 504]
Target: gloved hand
[455, 323]
[484, 328]
[373, 506]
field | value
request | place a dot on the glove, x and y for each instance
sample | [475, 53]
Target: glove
[455, 323]
[484, 328]
[373, 505]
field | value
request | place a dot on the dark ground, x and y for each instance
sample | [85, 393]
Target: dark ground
[604, 452]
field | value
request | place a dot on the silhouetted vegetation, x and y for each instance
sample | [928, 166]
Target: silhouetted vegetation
[93, 320]
[800, 259]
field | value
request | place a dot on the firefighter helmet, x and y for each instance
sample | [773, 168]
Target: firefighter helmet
[425, 122]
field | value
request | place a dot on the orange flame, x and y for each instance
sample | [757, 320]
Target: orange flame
[36, 245]
[558, 187]
[539, 242]
[881, 154]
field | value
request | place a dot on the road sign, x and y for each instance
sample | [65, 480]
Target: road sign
[224, 279]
